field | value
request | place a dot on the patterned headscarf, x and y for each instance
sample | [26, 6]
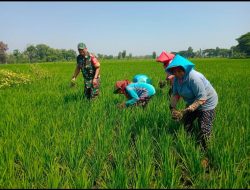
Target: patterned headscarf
[120, 86]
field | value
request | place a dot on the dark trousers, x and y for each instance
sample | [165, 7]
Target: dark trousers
[205, 122]
[143, 102]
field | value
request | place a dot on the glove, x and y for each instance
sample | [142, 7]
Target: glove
[162, 83]
[194, 105]
[178, 115]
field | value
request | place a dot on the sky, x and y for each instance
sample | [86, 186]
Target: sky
[137, 27]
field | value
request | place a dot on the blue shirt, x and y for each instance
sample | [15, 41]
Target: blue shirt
[195, 86]
[137, 91]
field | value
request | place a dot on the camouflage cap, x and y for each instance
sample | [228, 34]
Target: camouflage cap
[81, 46]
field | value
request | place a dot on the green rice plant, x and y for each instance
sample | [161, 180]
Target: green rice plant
[51, 136]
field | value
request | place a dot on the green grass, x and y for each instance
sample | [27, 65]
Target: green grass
[52, 137]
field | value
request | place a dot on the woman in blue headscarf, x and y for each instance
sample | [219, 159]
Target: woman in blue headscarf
[199, 95]
[137, 93]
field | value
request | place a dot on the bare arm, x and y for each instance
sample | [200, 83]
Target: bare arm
[77, 70]
[173, 101]
[97, 72]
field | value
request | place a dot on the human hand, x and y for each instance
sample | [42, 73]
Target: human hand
[177, 115]
[95, 82]
[73, 82]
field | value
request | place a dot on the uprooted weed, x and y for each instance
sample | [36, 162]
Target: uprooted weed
[9, 78]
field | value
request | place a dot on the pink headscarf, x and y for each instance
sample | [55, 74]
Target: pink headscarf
[122, 85]
[165, 58]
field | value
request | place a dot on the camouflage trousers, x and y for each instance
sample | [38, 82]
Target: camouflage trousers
[90, 91]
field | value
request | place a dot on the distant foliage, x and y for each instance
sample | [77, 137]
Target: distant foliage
[44, 53]
[154, 55]
[244, 43]
[41, 53]
[3, 49]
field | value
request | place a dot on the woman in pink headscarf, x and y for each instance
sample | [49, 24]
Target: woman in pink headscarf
[166, 58]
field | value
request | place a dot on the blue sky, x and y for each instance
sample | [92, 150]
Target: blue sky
[137, 27]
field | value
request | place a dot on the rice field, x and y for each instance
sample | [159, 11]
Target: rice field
[52, 137]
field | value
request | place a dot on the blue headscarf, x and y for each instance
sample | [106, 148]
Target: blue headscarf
[180, 61]
[142, 78]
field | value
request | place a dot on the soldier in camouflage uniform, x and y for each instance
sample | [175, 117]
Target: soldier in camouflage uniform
[88, 64]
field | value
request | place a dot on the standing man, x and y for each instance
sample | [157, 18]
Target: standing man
[88, 64]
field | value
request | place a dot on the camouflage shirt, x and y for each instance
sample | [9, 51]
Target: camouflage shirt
[88, 65]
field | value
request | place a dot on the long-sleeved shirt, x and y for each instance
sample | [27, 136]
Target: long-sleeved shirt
[193, 85]
[138, 91]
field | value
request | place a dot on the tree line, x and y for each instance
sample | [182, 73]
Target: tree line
[36, 53]
[44, 53]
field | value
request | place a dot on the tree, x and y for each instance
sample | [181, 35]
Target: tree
[154, 55]
[11, 59]
[71, 54]
[16, 54]
[190, 52]
[119, 55]
[52, 55]
[66, 55]
[182, 53]
[124, 54]
[42, 51]
[217, 51]
[235, 52]
[209, 52]
[198, 53]
[110, 57]
[3, 49]
[244, 43]
[99, 56]
[130, 55]
[224, 53]
[31, 52]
